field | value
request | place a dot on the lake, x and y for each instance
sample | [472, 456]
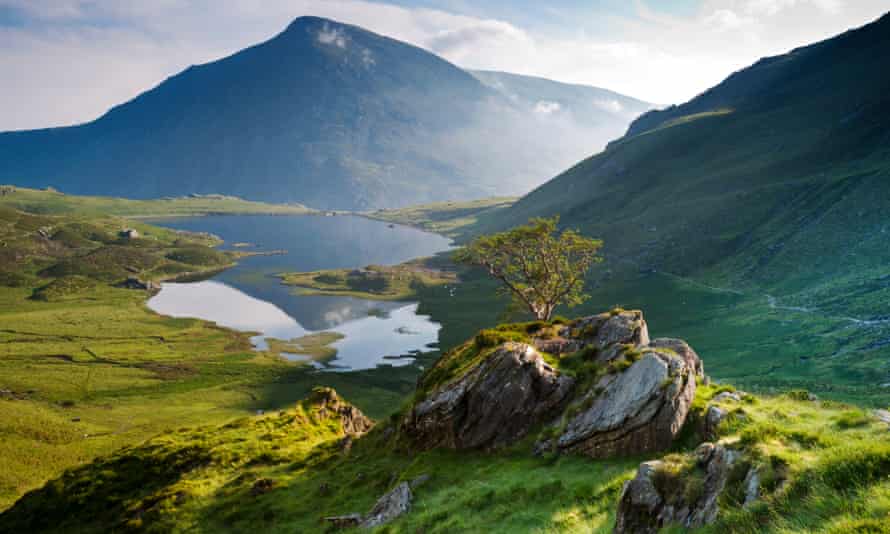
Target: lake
[249, 297]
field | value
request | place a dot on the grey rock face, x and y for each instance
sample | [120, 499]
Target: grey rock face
[389, 507]
[752, 486]
[394, 503]
[713, 417]
[640, 506]
[683, 350]
[635, 409]
[640, 410]
[494, 404]
[644, 509]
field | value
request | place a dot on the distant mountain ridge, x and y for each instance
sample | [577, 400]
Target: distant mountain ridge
[325, 114]
[587, 104]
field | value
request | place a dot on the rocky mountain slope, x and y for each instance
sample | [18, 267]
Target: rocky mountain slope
[525, 428]
[326, 114]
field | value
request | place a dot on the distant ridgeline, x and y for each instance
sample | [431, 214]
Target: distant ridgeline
[329, 115]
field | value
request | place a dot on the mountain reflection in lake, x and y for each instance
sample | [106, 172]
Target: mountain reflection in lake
[249, 297]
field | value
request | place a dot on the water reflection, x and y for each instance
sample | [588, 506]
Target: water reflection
[374, 339]
[249, 297]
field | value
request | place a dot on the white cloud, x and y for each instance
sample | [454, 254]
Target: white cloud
[610, 105]
[726, 19]
[334, 36]
[368, 58]
[546, 107]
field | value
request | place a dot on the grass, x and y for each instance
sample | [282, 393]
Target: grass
[315, 346]
[202, 479]
[452, 219]
[743, 339]
[286, 471]
[374, 282]
[54, 203]
[89, 369]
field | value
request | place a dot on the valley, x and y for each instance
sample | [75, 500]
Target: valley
[88, 368]
[293, 289]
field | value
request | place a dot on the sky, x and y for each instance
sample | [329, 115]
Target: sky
[68, 61]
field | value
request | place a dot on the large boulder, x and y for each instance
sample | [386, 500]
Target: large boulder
[638, 400]
[639, 410]
[496, 403]
[651, 501]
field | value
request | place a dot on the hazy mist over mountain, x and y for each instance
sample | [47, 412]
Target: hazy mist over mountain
[332, 116]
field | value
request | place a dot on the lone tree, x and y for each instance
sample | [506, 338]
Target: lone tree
[538, 267]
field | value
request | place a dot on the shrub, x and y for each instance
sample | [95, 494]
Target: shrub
[848, 468]
[799, 395]
[492, 338]
[852, 419]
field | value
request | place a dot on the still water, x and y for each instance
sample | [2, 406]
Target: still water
[249, 297]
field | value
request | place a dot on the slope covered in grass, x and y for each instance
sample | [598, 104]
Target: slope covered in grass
[50, 202]
[86, 367]
[823, 467]
[770, 193]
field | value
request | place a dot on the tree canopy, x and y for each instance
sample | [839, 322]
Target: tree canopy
[540, 267]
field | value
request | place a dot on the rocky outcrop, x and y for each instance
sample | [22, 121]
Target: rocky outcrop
[682, 349]
[639, 410]
[638, 402]
[606, 333]
[327, 403]
[494, 404]
[650, 501]
[714, 415]
[393, 504]
[390, 506]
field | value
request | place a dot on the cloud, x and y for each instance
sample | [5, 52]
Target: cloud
[726, 19]
[545, 107]
[334, 36]
[610, 105]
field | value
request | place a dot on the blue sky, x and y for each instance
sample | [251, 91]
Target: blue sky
[68, 61]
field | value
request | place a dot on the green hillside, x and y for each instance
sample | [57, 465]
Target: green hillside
[86, 368]
[768, 195]
[824, 469]
[50, 202]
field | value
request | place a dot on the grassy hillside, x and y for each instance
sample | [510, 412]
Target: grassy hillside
[824, 467]
[42, 201]
[451, 218]
[86, 368]
[768, 193]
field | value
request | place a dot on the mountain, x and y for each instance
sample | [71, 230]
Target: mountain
[599, 109]
[773, 186]
[325, 114]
